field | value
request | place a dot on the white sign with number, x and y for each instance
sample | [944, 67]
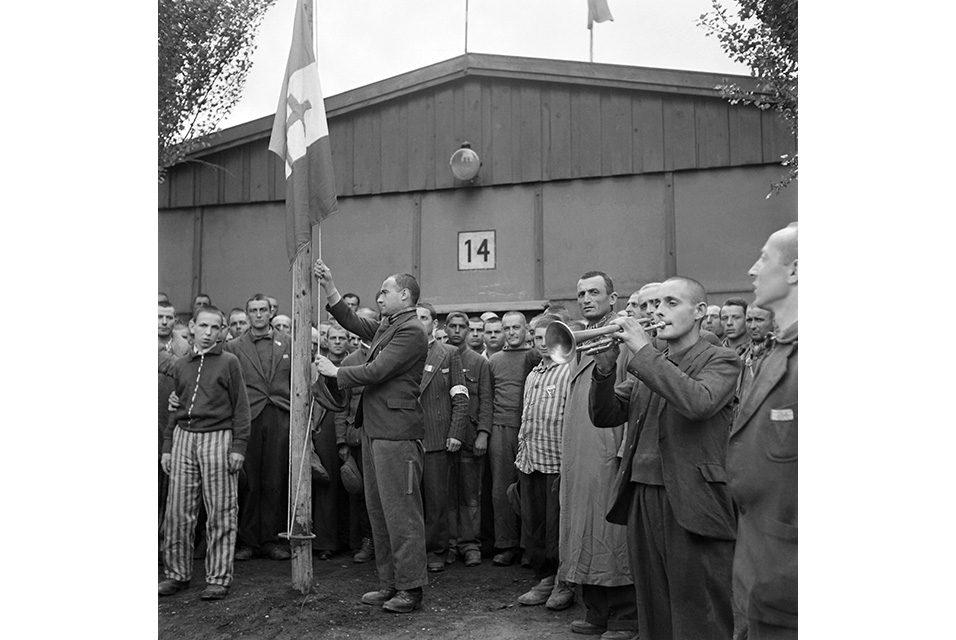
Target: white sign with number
[476, 250]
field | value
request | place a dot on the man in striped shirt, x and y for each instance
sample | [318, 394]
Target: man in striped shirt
[539, 462]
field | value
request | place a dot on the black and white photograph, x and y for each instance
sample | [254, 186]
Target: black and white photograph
[477, 319]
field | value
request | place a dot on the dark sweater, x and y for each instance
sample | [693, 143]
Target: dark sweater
[509, 369]
[219, 403]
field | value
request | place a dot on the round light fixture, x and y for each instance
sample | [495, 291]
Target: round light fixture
[465, 162]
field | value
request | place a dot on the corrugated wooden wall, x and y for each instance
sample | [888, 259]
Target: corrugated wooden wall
[523, 131]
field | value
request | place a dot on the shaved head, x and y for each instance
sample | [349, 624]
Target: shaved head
[696, 293]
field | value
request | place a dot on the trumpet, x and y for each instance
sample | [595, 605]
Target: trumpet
[563, 343]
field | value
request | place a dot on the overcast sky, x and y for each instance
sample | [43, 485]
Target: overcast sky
[363, 41]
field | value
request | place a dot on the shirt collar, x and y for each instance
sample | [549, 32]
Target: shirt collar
[603, 321]
[215, 349]
[395, 317]
[267, 335]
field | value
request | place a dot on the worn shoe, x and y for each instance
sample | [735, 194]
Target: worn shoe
[472, 558]
[379, 597]
[452, 556]
[561, 596]
[244, 553]
[325, 555]
[277, 552]
[366, 553]
[507, 557]
[214, 592]
[588, 629]
[435, 567]
[539, 593]
[405, 601]
[619, 634]
[169, 586]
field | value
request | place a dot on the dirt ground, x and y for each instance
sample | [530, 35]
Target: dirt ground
[476, 603]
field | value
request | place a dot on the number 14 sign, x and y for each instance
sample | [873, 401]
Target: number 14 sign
[476, 250]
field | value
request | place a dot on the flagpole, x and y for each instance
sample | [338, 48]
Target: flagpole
[300, 444]
[592, 43]
[466, 26]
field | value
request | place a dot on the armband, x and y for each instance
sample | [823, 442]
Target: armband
[459, 389]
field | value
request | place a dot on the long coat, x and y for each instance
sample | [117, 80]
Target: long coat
[592, 550]
[762, 471]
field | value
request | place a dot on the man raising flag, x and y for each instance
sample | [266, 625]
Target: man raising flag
[300, 136]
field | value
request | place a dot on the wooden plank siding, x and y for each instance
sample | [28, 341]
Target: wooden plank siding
[524, 131]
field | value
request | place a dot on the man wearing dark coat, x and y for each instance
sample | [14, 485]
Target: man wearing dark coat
[265, 355]
[762, 457]
[391, 418]
[671, 488]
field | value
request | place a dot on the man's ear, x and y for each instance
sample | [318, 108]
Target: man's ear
[792, 278]
[613, 297]
[700, 310]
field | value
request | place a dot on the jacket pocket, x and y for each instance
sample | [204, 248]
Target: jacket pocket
[781, 436]
[713, 472]
[397, 403]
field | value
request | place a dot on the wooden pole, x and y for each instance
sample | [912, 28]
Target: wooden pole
[592, 43]
[300, 446]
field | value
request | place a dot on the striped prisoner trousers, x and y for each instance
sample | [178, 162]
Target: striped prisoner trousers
[200, 466]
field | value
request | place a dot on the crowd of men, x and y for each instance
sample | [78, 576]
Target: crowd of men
[653, 472]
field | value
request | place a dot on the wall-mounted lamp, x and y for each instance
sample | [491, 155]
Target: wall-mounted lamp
[465, 162]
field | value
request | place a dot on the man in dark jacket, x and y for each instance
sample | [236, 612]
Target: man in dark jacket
[762, 457]
[266, 358]
[464, 513]
[671, 488]
[445, 403]
[391, 418]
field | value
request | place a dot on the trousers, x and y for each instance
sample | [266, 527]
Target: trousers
[392, 471]
[464, 496]
[435, 496]
[539, 521]
[683, 581]
[200, 466]
[502, 451]
[611, 607]
[263, 503]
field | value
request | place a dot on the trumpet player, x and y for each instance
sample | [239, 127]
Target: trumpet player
[670, 491]
[593, 551]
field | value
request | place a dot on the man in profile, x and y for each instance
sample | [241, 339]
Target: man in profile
[391, 418]
[762, 457]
